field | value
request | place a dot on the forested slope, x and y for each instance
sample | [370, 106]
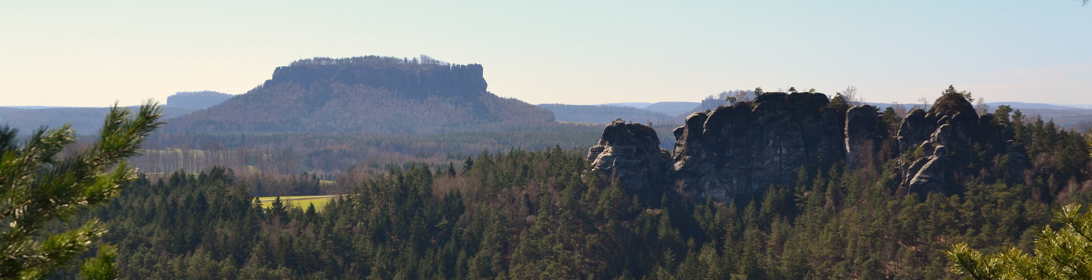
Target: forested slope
[537, 215]
[553, 215]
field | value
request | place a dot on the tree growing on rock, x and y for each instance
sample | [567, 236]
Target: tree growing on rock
[952, 101]
[840, 103]
[850, 96]
[962, 93]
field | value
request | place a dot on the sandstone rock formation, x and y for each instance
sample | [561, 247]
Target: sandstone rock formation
[862, 138]
[740, 148]
[750, 145]
[630, 152]
[951, 139]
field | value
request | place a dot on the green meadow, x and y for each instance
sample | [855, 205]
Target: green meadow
[319, 201]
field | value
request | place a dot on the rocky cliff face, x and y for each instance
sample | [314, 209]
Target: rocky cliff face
[630, 152]
[409, 79]
[950, 139]
[740, 148]
[862, 133]
[750, 145]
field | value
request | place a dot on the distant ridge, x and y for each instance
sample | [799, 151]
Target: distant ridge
[673, 108]
[33, 107]
[85, 120]
[197, 99]
[639, 105]
[1014, 105]
[604, 114]
[1024, 105]
[366, 94]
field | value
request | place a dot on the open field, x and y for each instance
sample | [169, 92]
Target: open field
[320, 201]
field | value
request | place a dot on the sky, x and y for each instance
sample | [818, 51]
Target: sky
[95, 53]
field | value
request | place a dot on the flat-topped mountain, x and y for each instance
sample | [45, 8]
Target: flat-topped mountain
[366, 94]
[197, 99]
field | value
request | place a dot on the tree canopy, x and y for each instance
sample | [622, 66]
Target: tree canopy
[38, 185]
[1060, 254]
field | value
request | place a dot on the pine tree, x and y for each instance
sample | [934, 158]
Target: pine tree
[278, 208]
[311, 213]
[37, 186]
[469, 163]
[1061, 254]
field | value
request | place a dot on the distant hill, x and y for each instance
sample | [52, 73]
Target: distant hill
[603, 114]
[1076, 119]
[639, 105]
[198, 99]
[32, 107]
[712, 102]
[1078, 106]
[85, 121]
[1014, 105]
[365, 94]
[88, 120]
[673, 108]
[1024, 105]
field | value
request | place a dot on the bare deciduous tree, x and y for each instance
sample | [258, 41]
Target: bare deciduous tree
[851, 97]
[923, 104]
[744, 95]
[900, 109]
[981, 106]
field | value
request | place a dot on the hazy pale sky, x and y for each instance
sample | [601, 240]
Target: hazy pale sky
[91, 53]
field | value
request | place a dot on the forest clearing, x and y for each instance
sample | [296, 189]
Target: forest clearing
[301, 201]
